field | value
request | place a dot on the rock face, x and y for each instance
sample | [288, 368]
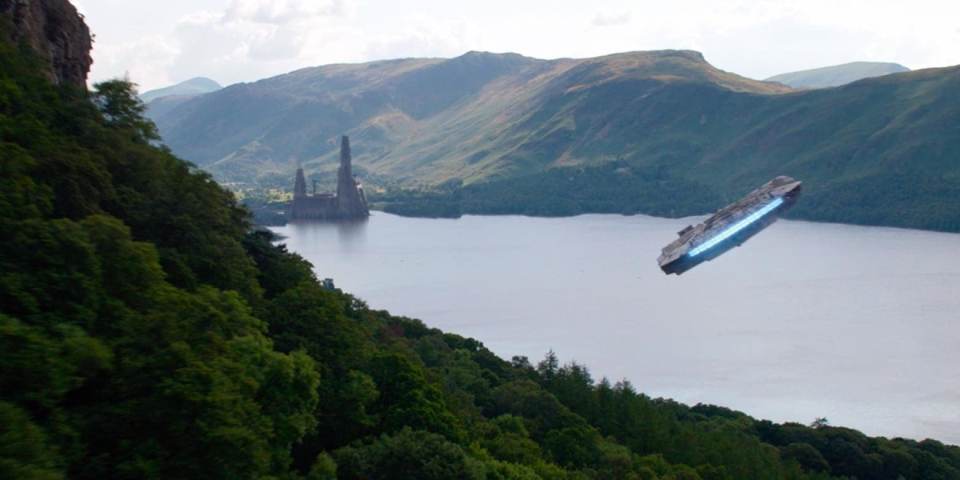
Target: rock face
[56, 31]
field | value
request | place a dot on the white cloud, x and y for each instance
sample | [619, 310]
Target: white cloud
[422, 36]
[244, 40]
[252, 36]
[611, 19]
[281, 12]
[144, 60]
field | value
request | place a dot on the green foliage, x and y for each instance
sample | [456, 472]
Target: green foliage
[123, 109]
[324, 468]
[806, 456]
[113, 365]
[614, 187]
[407, 400]
[507, 439]
[406, 455]
[849, 453]
[277, 269]
[24, 452]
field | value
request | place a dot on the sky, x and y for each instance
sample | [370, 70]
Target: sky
[158, 43]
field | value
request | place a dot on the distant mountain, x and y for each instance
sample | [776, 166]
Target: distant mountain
[878, 151]
[424, 120]
[837, 75]
[194, 86]
[161, 105]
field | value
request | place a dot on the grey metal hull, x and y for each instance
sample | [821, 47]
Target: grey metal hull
[730, 227]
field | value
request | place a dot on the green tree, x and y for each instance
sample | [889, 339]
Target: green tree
[123, 109]
[405, 455]
[24, 451]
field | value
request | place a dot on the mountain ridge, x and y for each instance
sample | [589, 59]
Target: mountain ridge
[418, 123]
[391, 97]
[837, 75]
[192, 86]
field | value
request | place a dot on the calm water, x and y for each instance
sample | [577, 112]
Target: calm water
[859, 325]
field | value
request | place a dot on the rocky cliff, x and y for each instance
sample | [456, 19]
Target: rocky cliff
[56, 31]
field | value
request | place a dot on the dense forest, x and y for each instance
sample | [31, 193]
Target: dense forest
[613, 187]
[148, 331]
[617, 187]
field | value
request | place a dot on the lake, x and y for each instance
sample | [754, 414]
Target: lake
[855, 324]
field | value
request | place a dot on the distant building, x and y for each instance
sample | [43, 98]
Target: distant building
[348, 203]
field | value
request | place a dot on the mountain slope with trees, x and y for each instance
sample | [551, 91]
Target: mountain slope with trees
[147, 332]
[878, 151]
[427, 120]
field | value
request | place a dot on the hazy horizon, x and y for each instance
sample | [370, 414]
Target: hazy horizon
[234, 41]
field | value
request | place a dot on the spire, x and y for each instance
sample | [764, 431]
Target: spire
[345, 181]
[300, 184]
[345, 158]
[350, 200]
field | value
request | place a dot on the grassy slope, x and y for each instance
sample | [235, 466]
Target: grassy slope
[877, 151]
[427, 119]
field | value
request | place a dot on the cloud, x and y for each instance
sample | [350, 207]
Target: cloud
[611, 19]
[422, 37]
[144, 61]
[247, 40]
[281, 12]
[244, 40]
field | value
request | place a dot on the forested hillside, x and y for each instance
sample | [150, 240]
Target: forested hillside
[427, 120]
[147, 332]
[879, 151]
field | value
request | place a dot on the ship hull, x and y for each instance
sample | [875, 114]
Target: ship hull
[730, 227]
[687, 262]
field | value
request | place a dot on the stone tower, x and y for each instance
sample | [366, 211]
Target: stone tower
[351, 202]
[348, 203]
[300, 184]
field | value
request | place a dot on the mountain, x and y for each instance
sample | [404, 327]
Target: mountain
[423, 120]
[162, 100]
[837, 75]
[878, 151]
[194, 86]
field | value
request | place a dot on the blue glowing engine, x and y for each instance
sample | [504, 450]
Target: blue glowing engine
[729, 227]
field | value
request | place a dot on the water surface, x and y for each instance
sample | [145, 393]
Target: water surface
[856, 324]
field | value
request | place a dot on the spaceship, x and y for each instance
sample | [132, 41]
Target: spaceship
[730, 226]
